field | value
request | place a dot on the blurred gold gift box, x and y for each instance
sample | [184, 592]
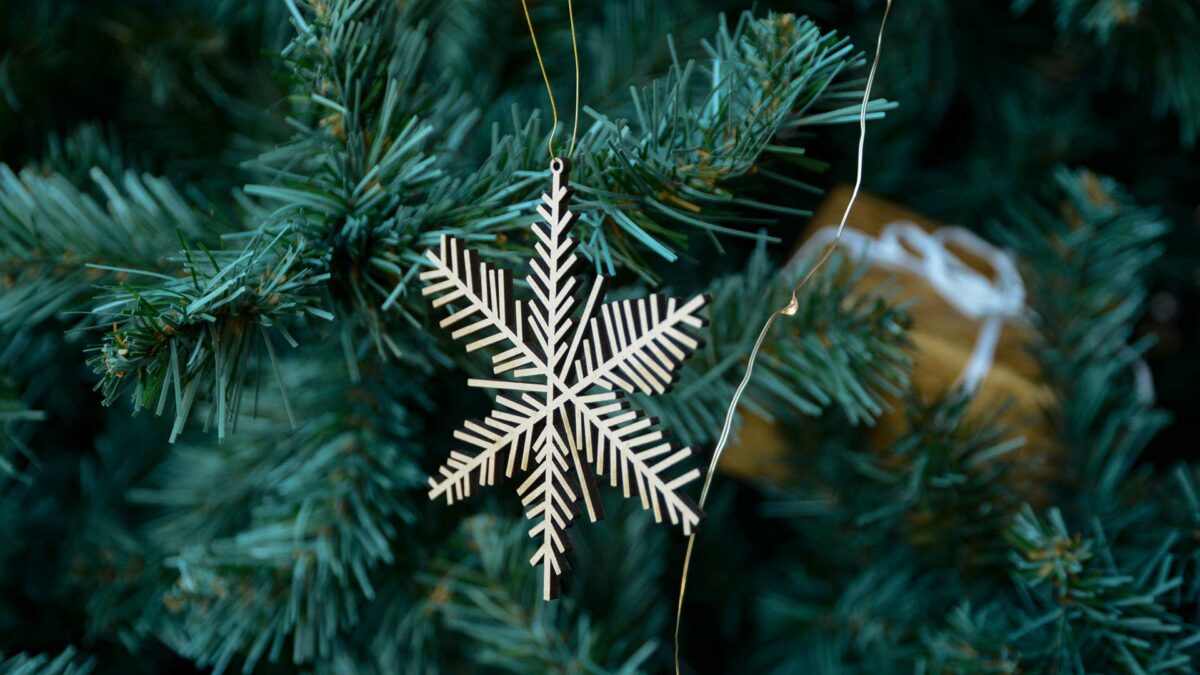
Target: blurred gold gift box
[942, 343]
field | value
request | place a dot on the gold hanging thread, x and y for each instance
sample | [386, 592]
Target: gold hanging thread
[546, 78]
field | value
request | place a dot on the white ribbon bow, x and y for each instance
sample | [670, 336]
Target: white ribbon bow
[904, 245]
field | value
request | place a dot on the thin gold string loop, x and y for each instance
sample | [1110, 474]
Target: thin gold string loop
[546, 78]
[789, 309]
[575, 51]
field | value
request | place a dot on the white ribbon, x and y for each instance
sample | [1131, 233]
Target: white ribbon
[903, 245]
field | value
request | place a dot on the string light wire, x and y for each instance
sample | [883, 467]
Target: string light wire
[787, 310]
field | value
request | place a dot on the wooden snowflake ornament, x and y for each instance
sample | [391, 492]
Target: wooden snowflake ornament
[561, 411]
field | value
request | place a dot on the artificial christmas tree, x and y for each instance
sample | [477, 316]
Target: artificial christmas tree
[213, 219]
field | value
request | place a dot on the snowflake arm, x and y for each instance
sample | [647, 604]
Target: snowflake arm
[504, 438]
[549, 498]
[629, 446]
[638, 345]
[552, 278]
[486, 297]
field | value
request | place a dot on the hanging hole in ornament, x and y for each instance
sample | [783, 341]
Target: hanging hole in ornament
[558, 165]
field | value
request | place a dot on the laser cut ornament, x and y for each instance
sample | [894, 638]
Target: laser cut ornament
[561, 411]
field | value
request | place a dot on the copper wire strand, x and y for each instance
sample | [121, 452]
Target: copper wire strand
[546, 78]
[788, 310]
